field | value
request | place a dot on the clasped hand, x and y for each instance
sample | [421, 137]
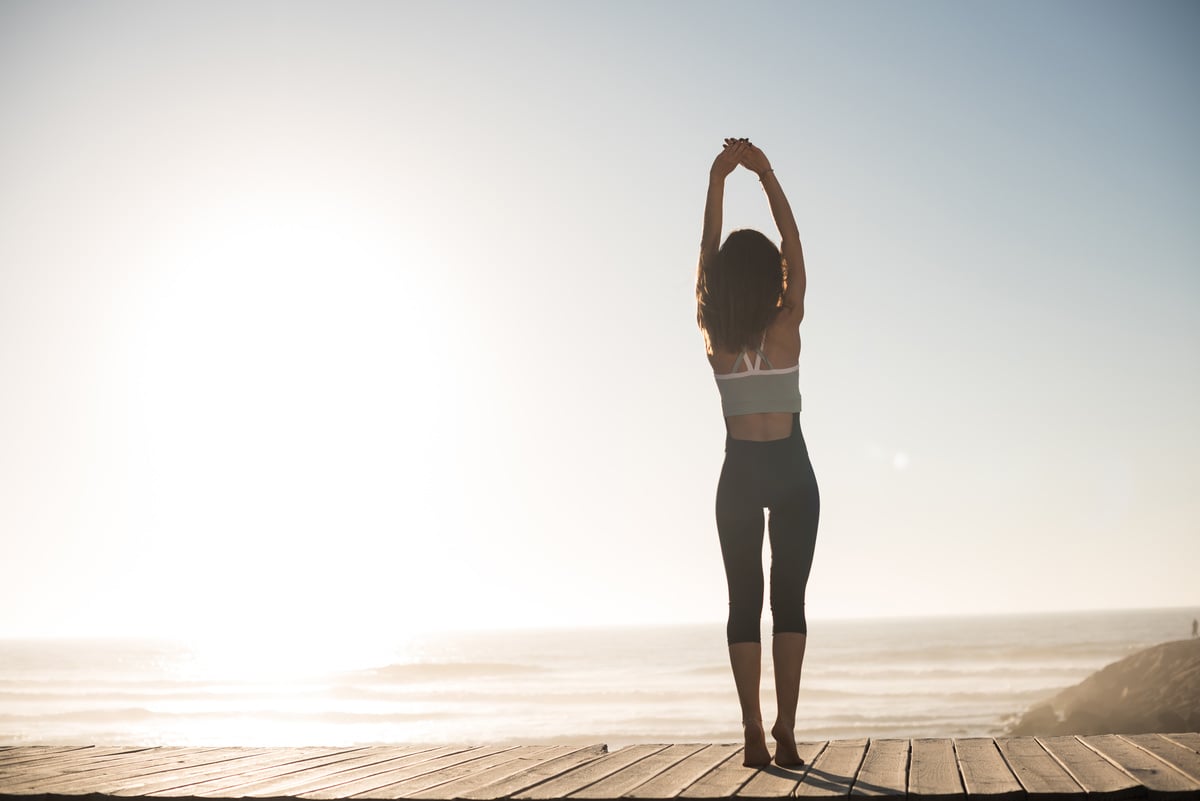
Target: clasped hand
[739, 151]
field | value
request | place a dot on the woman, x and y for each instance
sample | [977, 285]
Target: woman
[750, 301]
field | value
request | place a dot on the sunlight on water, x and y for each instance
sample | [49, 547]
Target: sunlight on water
[268, 657]
[903, 678]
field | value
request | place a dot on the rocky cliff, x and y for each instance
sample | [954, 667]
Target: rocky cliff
[1155, 690]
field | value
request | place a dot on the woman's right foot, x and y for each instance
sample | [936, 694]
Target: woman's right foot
[786, 755]
[756, 754]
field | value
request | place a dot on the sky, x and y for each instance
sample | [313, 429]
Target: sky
[351, 320]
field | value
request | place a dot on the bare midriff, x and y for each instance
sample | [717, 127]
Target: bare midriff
[762, 427]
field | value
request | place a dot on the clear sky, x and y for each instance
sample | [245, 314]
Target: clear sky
[349, 319]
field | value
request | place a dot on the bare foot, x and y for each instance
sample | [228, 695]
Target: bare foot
[786, 755]
[756, 753]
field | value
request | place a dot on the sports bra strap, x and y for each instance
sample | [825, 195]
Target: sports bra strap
[742, 354]
[762, 355]
[759, 358]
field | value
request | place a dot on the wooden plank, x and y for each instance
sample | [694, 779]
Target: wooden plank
[105, 780]
[1095, 774]
[1186, 739]
[478, 759]
[372, 762]
[985, 774]
[1159, 778]
[134, 756]
[30, 753]
[535, 774]
[1180, 757]
[884, 770]
[47, 760]
[1039, 773]
[84, 775]
[233, 761]
[832, 774]
[774, 781]
[671, 782]
[522, 758]
[589, 773]
[369, 762]
[224, 786]
[109, 779]
[933, 770]
[56, 767]
[404, 768]
[79, 760]
[319, 774]
[723, 781]
[1042, 769]
[640, 772]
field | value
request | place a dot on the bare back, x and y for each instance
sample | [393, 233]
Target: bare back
[782, 348]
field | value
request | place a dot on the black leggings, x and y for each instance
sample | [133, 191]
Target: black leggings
[778, 475]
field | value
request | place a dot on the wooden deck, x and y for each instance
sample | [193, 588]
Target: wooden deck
[1106, 766]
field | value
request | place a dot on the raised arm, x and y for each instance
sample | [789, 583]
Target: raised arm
[726, 162]
[793, 299]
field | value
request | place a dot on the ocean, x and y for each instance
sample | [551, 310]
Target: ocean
[947, 677]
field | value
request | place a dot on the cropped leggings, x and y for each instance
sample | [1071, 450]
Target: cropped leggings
[779, 476]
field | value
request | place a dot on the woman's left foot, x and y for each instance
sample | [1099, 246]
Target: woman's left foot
[756, 754]
[786, 755]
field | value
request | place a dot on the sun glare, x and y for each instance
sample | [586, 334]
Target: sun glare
[280, 656]
[272, 433]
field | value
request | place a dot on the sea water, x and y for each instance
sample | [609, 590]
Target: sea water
[950, 677]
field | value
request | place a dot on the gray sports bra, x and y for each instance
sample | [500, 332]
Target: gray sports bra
[756, 390]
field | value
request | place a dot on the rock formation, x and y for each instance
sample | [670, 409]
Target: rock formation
[1155, 690]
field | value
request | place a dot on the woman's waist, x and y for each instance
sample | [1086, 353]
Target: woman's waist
[761, 430]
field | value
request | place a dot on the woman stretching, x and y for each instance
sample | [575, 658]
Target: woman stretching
[750, 301]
